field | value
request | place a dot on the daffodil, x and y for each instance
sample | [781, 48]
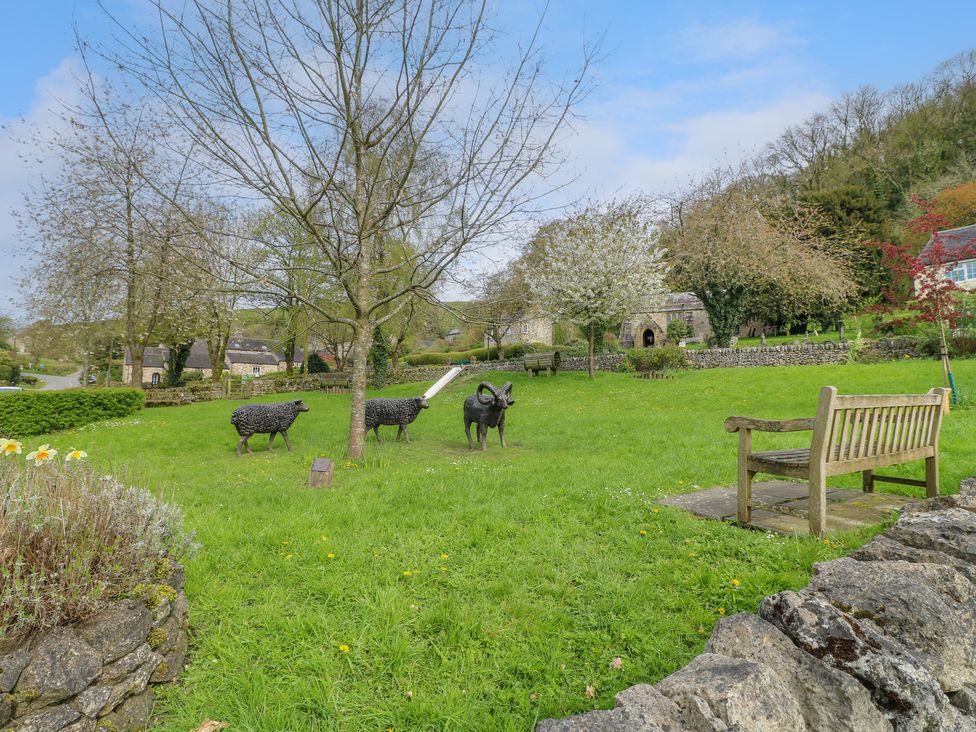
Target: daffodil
[42, 454]
[74, 454]
[10, 447]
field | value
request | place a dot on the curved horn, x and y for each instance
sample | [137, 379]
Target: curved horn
[490, 387]
[507, 391]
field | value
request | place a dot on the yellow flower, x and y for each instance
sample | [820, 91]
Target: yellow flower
[721, 611]
[343, 648]
[736, 583]
[74, 454]
[643, 532]
[656, 510]
[330, 555]
[42, 454]
[444, 556]
[10, 447]
[407, 573]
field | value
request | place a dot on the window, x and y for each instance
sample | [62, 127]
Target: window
[525, 328]
[155, 379]
[256, 370]
[689, 318]
[962, 272]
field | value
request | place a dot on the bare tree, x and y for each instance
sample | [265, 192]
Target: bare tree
[731, 240]
[368, 125]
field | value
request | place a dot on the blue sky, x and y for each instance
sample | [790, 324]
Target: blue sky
[681, 86]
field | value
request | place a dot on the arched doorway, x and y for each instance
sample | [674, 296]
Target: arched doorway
[648, 338]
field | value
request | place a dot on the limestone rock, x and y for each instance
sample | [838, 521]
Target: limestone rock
[967, 486]
[61, 666]
[900, 685]
[744, 694]
[134, 683]
[173, 661]
[964, 700]
[928, 608]
[118, 629]
[640, 708]
[828, 699]
[133, 713]
[952, 531]
[940, 503]
[127, 664]
[49, 720]
[91, 700]
[11, 664]
[177, 578]
[85, 724]
[6, 708]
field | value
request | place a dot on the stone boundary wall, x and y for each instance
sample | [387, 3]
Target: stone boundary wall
[705, 358]
[97, 674]
[880, 640]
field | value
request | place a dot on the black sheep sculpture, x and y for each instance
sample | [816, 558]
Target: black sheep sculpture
[259, 419]
[399, 412]
[487, 411]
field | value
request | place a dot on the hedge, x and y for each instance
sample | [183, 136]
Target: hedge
[35, 413]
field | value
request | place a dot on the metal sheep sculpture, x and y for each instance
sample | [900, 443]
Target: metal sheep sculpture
[399, 412]
[487, 411]
[254, 419]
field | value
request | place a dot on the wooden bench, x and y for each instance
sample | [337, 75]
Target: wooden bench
[548, 362]
[335, 381]
[851, 433]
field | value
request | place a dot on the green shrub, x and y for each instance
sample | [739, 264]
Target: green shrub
[74, 540]
[517, 350]
[34, 413]
[677, 330]
[317, 365]
[427, 359]
[665, 358]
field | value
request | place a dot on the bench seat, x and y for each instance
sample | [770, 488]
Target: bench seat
[851, 434]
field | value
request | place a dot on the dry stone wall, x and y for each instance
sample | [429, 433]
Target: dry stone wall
[881, 640]
[97, 675]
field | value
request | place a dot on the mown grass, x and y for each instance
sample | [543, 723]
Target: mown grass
[557, 559]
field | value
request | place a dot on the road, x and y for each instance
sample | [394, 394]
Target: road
[57, 383]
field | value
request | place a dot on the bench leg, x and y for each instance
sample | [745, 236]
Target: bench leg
[867, 481]
[744, 510]
[931, 476]
[817, 510]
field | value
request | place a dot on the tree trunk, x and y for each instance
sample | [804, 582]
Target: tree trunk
[362, 337]
[135, 373]
[591, 365]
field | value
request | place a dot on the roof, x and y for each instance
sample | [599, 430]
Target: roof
[454, 331]
[959, 243]
[259, 359]
[152, 357]
[199, 357]
[247, 344]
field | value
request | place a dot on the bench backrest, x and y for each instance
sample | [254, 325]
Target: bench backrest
[875, 428]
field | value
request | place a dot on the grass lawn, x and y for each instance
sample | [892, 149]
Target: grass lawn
[494, 588]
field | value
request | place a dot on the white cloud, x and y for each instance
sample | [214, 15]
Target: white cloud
[734, 40]
[22, 165]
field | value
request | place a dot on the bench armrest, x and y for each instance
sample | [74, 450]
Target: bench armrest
[734, 424]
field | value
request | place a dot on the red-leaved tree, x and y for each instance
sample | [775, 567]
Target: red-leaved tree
[920, 283]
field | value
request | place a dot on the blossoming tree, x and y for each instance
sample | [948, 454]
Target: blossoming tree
[598, 265]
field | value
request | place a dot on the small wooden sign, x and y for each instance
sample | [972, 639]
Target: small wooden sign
[320, 476]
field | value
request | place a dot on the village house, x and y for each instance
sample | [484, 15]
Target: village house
[530, 328]
[245, 357]
[650, 329]
[959, 255]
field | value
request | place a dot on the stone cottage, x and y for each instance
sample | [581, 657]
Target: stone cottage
[960, 255]
[650, 328]
[245, 357]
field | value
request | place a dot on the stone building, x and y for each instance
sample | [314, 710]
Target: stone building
[245, 357]
[960, 255]
[649, 329]
[530, 328]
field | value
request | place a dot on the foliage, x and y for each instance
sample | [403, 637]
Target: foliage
[678, 330]
[529, 582]
[10, 368]
[379, 359]
[599, 265]
[317, 365]
[32, 413]
[73, 540]
[449, 357]
[665, 358]
[743, 249]
[178, 355]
